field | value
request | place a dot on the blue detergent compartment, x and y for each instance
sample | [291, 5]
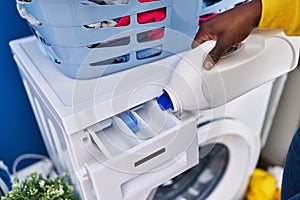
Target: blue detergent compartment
[83, 52]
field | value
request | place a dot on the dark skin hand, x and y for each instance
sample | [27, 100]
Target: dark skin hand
[228, 29]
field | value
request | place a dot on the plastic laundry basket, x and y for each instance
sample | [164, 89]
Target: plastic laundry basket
[69, 32]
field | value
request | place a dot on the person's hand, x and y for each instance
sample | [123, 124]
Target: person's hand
[228, 29]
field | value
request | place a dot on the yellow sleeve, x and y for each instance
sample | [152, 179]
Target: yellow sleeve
[281, 14]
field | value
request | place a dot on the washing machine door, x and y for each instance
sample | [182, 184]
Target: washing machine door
[228, 153]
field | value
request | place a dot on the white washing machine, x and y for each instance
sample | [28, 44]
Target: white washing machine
[109, 134]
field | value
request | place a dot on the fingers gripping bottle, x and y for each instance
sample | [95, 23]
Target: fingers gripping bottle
[263, 56]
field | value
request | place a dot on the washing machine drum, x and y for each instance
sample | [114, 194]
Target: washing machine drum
[198, 182]
[228, 155]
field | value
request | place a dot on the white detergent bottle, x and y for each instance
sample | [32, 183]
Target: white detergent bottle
[263, 56]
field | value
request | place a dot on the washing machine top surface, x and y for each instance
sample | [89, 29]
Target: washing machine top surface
[104, 96]
[41, 67]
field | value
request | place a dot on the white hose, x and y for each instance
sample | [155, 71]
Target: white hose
[24, 157]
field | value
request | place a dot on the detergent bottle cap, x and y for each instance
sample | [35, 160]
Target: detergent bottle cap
[164, 101]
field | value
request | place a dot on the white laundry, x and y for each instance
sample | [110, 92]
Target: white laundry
[103, 24]
[110, 2]
[107, 23]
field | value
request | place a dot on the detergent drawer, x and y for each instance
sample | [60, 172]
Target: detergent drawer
[147, 143]
[147, 138]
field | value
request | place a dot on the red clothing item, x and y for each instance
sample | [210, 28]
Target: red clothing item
[156, 15]
[156, 34]
[145, 17]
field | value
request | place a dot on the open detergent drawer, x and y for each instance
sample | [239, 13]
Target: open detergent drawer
[133, 147]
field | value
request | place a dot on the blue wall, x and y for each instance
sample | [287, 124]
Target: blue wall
[19, 130]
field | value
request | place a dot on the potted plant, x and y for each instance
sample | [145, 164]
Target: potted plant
[37, 187]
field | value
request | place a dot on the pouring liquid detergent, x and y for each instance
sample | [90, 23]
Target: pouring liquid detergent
[263, 56]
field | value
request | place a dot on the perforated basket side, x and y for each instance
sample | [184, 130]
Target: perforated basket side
[79, 12]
